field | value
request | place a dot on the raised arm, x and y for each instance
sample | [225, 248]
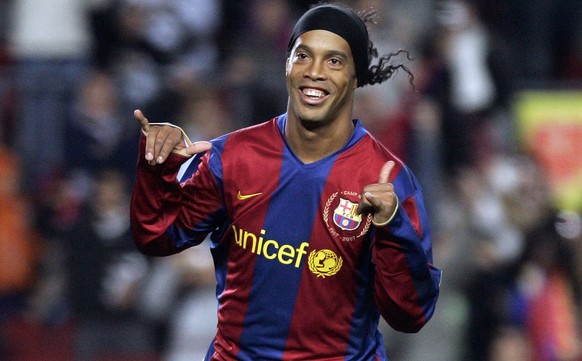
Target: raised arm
[162, 220]
[406, 284]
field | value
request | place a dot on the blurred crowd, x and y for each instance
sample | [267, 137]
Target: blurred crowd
[73, 71]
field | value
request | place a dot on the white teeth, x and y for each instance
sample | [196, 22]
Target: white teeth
[313, 93]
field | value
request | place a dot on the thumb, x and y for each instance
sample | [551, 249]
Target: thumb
[385, 172]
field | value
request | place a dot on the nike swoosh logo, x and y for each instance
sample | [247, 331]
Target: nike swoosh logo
[242, 197]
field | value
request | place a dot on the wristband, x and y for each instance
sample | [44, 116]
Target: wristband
[187, 141]
[389, 219]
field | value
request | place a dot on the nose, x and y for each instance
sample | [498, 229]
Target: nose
[315, 70]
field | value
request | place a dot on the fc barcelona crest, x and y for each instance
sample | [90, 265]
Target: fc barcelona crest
[345, 215]
[342, 218]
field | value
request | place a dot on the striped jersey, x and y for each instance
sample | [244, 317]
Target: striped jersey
[301, 275]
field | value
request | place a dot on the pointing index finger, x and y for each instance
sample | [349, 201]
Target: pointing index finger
[143, 122]
[385, 172]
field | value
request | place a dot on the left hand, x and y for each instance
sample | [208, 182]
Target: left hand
[379, 199]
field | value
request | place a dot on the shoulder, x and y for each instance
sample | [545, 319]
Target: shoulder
[376, 154]
[261, 132]
[370, 149]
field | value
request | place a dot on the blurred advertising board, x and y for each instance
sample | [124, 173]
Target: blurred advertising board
[549, 127]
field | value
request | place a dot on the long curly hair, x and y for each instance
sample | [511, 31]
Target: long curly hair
[383, 69]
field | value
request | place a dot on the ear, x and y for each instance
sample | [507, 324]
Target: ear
[287, 65]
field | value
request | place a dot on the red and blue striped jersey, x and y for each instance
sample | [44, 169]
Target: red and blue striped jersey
[301, 275]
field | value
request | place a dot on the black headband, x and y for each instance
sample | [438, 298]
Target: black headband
[342, 22]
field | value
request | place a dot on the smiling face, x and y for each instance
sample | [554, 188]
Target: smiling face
[321, 79]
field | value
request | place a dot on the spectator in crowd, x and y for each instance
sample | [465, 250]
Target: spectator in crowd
[164, 47]
[252, 68]
[104, 276]
[98, 138]
[51, 43]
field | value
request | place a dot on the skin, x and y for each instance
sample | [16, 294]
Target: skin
[321, 63]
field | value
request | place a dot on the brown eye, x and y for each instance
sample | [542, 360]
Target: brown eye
[335, 62]
[301, 56]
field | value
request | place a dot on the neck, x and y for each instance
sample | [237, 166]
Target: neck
[312, 142]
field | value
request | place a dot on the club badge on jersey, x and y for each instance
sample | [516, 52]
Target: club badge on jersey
[345, 223]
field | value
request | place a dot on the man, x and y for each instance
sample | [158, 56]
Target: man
[316, 229]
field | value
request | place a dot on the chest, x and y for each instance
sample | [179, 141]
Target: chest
[294, 203]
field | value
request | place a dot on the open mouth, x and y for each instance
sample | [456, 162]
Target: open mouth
[313, 95]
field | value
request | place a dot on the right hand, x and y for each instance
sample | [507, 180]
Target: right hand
[380, 199]
[161, 140]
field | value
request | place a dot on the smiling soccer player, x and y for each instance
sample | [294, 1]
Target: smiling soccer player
[316, 229]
